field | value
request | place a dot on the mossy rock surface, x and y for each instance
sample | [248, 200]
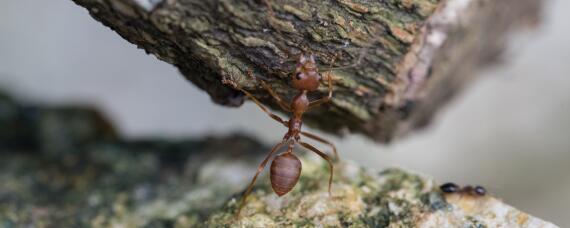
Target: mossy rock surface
[362, 198]
[67, 167]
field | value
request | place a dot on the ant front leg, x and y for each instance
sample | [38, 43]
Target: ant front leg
[269, 8]
[259, 169]
[319, 139]
[324, 156]
[326, 99]
[257, 102]
[284, 105]
[329, 97]
[355, 64]
[329, 80]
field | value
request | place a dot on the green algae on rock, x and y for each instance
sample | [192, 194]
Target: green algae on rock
[80, 173]
[66, 167]
[127, 184]
[361, 198]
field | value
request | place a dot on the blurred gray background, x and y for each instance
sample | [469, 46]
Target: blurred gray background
[509, 131]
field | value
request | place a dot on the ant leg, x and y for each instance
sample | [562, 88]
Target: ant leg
[324, 99]
[269, 8]
[319, 139]
[358, 62]
[329, 96]
[284, 105]
[257, 102]
[259, 169]
[324, 156]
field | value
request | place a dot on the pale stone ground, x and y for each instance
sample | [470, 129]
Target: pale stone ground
[509, 131]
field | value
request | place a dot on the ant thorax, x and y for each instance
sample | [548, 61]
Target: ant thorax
[300, 104]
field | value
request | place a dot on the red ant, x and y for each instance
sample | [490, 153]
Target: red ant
[286, 167]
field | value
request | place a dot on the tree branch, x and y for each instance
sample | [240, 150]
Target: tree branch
[417, 53]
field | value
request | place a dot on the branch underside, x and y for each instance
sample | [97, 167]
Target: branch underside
[405, 57]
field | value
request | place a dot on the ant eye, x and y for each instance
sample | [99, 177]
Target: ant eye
[298, 76]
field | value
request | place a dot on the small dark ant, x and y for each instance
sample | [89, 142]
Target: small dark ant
[450, 188]
[286, 168]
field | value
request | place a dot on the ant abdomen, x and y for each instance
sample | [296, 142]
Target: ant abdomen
[284, 173]
[449, 188]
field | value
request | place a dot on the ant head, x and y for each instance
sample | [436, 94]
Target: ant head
[306, 76]
[480, 191]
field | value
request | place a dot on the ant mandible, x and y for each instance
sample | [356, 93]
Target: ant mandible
[286, 167]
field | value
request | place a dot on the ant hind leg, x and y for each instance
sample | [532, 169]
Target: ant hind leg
[321, 140]
[324, 156]
[259, 169]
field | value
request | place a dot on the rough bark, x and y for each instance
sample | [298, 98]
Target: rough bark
[414, 54]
